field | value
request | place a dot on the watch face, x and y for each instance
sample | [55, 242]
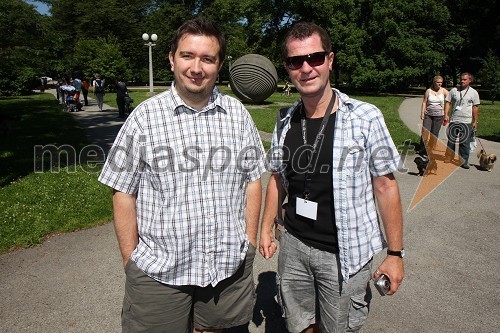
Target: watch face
[402, 253]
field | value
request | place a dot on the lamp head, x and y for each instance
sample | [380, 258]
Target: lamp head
[145, 36]
[154, 37]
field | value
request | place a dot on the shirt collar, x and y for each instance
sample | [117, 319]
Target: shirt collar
[344, 104]
[215, 101]
[345, 101]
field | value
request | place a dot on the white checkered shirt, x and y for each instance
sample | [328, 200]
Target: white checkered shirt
[362, 148]
[189, 170]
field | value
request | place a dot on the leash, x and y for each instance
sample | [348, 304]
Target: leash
[481, 144]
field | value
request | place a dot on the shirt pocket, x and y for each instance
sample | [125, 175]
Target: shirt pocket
[354, 158]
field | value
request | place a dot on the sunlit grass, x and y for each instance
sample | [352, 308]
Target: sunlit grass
[34, 205]
[45, 203]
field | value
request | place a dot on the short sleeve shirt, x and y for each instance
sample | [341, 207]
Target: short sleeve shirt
[362, 149]
[189, 170]
[462, 102]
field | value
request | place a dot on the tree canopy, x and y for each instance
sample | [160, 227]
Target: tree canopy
[380, 45]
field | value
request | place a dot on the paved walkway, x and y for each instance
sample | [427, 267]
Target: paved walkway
[74, 282]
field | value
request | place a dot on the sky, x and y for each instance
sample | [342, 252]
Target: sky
[40, 7]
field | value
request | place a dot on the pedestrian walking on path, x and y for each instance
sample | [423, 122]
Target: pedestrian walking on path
[98, 86]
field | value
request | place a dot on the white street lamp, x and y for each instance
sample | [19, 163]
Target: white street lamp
[154, 38]
[229, 58]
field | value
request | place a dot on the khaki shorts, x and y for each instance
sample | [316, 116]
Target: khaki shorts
[153, 307]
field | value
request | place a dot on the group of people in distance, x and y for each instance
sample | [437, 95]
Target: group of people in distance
[460, 108]
[68, 88]
[186, 170]
[73, 88]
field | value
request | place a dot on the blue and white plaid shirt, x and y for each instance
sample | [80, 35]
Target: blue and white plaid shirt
[362, 149]
[189, 170]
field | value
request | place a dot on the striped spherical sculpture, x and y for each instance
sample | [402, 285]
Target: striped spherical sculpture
[253, 78]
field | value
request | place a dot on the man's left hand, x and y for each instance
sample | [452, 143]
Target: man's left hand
[393, 268]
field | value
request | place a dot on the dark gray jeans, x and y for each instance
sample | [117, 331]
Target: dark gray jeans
[462, 133]
[433, 125]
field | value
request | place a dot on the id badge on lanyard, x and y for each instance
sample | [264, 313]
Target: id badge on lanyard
[306, 207]
[458, 107]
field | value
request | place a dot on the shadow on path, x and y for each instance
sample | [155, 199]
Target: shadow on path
[266, 312]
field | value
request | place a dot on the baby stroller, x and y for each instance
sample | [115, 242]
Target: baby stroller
[69, 98]
[70, 104]
[128, 104]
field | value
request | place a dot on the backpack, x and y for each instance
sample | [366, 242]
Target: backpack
[99, 87]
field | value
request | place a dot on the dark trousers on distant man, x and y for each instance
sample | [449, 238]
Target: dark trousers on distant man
[463, 133]
[121, 106]
[85, 94]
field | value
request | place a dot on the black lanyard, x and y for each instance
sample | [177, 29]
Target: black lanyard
[461, 97]
[319, 137]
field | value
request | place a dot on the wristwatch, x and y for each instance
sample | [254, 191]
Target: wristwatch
[400, 254]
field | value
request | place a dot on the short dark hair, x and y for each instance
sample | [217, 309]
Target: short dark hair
[200, 26]
[303, 30]
[471, 77]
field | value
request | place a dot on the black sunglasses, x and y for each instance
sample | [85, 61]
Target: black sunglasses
[313, 59]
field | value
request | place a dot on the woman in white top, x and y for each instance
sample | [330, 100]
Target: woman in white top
[432, 113]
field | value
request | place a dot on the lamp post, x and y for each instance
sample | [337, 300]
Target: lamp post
[229, 58]
[150, 44]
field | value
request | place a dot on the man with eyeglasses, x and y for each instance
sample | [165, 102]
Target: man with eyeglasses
[334, 159]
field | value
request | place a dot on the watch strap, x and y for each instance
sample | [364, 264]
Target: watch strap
[396, 253]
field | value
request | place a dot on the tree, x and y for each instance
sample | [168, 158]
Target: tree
[21, 47]
[402, 45]
[378, 44]
[92, 19]
[473, 29]
[155, 22]
[490, 74]
[101, 56]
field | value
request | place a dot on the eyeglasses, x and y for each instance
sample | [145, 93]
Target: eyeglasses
[313, 59]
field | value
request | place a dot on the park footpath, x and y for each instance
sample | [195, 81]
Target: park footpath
[74, 282]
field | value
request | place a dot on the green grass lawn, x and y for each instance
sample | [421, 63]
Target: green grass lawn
[389, 105]
[33, 120]
[64, 197]
[489, 124]
[34, 205]
[42, 204]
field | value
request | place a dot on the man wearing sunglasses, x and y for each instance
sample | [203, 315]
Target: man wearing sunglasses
[334, 158]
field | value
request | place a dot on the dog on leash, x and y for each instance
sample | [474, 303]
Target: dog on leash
[423, 164]
[486, 160]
